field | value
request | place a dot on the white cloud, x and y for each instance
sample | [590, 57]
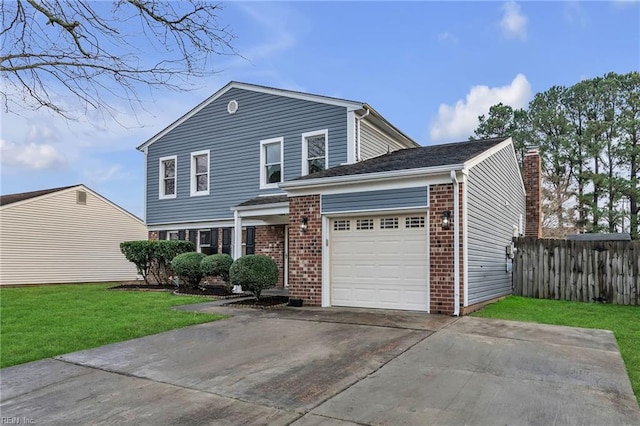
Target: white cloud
[513, 23]
[460, 120]
[447, 37]
[102, 175]
[32, 156]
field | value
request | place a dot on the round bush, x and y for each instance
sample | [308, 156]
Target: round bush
[187, 267]
[254, 273]
[217, 265]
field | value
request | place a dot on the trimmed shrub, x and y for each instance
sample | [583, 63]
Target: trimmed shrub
[187, 267]
[141, 254]
[217, 265]
[153, 258]
[164, 253]
[254, 273]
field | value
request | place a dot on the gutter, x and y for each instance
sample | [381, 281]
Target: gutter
[366, 177]
[456, 245]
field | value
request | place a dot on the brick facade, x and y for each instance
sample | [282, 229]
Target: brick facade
[153, 235]
[441, 246]
[532, 171]
[305, 250]
[270, 241]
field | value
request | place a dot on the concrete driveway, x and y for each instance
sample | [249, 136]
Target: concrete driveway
[332, 366]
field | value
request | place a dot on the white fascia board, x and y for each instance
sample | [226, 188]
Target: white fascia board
[492, 151]
[351, 137]
[390, 184]
[313, 185]
[262, 210]
[260, 89]
[222, 223]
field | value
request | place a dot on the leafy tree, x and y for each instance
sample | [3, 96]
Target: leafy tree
[629, 134]
[504, 121]
[91, 49]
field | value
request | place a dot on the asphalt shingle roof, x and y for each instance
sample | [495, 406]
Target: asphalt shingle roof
[14, 198]
[271, 199]
[413, 158]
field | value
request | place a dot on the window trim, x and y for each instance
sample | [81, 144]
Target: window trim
[194, 182]
[305, 149]
[161, 194]
[173, 232]
[263, 158]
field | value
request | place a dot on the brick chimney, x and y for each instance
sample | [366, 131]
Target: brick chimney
[532, 174]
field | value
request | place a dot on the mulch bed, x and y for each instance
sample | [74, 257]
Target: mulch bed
[210, 290]
[266, 302]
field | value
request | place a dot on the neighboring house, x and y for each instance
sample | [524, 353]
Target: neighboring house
[64, 235]
[349, 207]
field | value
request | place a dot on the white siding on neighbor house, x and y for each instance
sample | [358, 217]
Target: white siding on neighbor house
[52, 239]
[374, 142]
[495, 201]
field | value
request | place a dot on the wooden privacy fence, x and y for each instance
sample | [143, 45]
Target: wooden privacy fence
[585, 271]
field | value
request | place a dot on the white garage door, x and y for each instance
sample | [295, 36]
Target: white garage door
[379, 262]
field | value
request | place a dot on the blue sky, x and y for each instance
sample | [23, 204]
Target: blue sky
[429, 67]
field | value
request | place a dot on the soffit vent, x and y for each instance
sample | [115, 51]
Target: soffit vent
[81, 197]
[232, 107]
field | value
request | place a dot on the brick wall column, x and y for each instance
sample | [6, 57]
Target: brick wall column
[441, 250]
[153, 235]
[270, 242]
[305, 250]
[532, 173]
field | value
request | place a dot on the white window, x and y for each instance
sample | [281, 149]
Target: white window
[364, 224]
[389, 223]
[314, 151]
[168, 177]
[341, 225]
[204, 241]
[271, 163]
[200, 173]
[173, 235]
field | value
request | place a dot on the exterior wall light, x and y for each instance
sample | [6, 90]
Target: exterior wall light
[304, 224]
[446, 219]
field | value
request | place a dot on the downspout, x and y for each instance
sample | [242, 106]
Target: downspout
[456, 245]
[358, 119]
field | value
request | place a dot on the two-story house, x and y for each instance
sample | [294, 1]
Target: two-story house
[353, 211]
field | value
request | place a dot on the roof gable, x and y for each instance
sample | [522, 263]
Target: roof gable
[23, 196]
[10, 200]
[254, 88]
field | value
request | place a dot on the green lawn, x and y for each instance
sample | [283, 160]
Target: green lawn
[41, 322]
[624, 321]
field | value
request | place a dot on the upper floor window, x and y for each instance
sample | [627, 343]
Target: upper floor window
[314, 151]
[200, 173]
[271, 163]
[168, 177]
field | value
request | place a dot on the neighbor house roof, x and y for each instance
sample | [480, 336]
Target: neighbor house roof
[349, 104]
[14, 198]
[413, 158]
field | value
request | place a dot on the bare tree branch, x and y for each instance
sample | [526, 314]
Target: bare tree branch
[55, 53]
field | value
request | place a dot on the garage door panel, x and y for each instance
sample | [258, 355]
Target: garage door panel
[379, 268]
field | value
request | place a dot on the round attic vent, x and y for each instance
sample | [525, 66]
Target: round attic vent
[232, 106]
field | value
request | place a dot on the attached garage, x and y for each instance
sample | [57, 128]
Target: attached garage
[379, 261]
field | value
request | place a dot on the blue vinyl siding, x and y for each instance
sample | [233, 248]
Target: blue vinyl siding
[495, 201]
[375, 200]
[234, 142]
